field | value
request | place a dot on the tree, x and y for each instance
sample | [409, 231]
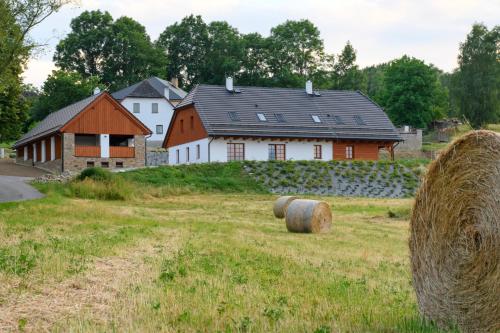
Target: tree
[118, 52]
[296, 51]
[62, 89]
[411, 93]
[254, 69]
[86, 48]
[375, 81]
[225, 53]
[132, 57]
[186, 45]
[478, 76]
[346, 74]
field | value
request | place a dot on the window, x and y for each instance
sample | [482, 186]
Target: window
[187, 154]
[137, 108]
[159, 129]
[88, 140]
[154, 108]
[182, 125]
[338, 120]
[191, 122]
[90, 164]
[235, 151]
[349, 152]
[277, 152]
[315, 118]
[233, 116]
[121, 140]
[105, 164]
[177, 159]
[359, 120]
[317, 152]
[280, 117]
[119, 165]
[261, 117]
[198, 153]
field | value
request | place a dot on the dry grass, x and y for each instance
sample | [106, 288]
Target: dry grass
[455, 239]
[203, 262]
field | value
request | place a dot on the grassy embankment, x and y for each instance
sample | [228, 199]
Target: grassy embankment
[197, 249]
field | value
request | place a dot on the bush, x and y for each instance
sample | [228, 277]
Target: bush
[96, 174]
[88, 188]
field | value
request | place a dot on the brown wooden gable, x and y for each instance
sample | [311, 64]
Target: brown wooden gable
[105, 115]
[186, 126]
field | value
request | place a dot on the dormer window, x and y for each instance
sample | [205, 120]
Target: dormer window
[261, 117]
[359, 120]
[316, 118]
[233, 116]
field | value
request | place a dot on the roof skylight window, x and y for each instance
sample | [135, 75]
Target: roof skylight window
[261, 117]
[316, 118]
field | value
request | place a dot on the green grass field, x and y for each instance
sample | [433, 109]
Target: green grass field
[175, 258]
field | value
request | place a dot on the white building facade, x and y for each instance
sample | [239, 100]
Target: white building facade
[225, 150]
[155, 113]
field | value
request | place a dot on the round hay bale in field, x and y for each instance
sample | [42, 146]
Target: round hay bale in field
[455, 236]
[281, 205]
[308, 216]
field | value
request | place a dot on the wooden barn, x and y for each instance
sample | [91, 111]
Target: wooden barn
[96, 131]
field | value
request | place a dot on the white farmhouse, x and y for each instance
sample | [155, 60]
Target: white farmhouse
[152, 101]
[227, 123]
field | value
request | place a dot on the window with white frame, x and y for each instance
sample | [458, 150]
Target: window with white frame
[187, 154]
[137, 107]
[154, 108]
[198, 153]
[349, 152]
[177, 156]
[159, 129]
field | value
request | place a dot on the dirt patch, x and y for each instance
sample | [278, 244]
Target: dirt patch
[9, 168]
[94, 292]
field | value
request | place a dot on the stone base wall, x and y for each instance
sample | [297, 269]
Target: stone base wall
[49, 166]
[73, 163]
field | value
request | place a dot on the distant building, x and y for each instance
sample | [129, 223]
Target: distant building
[152, 101]
[412, 139]
[226, 123]
[96, 131]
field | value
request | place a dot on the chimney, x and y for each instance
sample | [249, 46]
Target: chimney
[97, 90]
[166, 92]
[229, 84]
[175, 82]
[309, 87]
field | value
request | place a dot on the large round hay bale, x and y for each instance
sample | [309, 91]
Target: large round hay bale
[281, 205]
[308, 216]
[455, 236]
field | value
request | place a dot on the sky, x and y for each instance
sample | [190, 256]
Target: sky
[380, 30]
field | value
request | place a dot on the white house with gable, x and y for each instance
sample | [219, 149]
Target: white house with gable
[152, 101]
[227, 123]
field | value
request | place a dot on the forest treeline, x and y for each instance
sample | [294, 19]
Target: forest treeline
[114, 53]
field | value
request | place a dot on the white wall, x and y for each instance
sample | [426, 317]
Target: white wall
[172, 152]
[150, 119]
[254, 150]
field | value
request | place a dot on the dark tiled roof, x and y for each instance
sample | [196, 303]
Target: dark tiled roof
[339, 112]
[56, 120]
[153, 87]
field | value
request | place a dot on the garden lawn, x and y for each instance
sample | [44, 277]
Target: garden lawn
[203, 262]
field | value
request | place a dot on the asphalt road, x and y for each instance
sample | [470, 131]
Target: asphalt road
[13, 178]
[13, 188]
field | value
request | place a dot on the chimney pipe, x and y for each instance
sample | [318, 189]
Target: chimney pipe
[309, 87]
[97, 90]
[229, 84]
[175, 82]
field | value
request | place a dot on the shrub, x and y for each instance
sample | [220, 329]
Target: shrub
[97, 174]
[115, 189]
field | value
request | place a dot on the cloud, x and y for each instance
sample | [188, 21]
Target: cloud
[380, 30]
[37, 71]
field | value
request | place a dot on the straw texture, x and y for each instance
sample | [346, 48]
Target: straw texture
[308, 216]
[281, 205]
